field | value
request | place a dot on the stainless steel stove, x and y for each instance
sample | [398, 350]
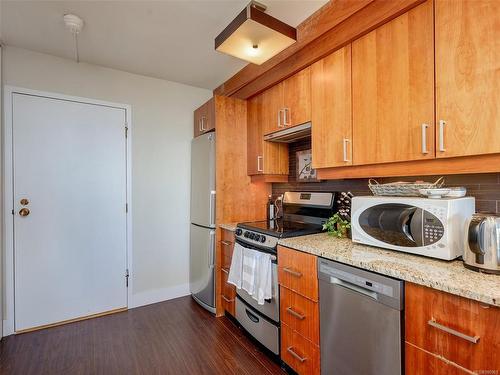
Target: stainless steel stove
[303, 213]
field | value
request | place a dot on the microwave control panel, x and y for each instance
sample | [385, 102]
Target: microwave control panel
[433, 229]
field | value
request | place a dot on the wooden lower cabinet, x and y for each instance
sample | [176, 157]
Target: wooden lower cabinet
[228, 291]
[419, 362]
[299, 353]
[297, 271]
[300, 314]
[459, 330]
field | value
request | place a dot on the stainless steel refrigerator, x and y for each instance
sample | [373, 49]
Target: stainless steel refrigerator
[202, 244]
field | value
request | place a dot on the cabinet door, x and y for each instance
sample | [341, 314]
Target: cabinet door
[297, 98]
[467, 77]
[263, 157]
[198, 115]
[272, 104]
[393, 90]
[331, 110]
[254, 136]
[208, 120]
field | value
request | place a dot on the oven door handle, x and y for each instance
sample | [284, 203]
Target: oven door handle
[248, 246]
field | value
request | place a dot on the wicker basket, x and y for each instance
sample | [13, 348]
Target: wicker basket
[402, 189]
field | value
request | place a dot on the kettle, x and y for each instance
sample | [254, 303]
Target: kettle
[482, 243]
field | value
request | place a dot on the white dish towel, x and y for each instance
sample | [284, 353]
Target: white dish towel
[251, 271]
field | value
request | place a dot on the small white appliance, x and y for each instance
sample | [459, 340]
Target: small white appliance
[423, 226]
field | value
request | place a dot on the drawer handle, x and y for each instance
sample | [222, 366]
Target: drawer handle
[295, 313]
[254, 318]
[225, 270]
[227, 299]
[292, 272]
[291, 351]
[225, 243]
[441, 327]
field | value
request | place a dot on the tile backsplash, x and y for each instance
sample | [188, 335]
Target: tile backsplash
[484, 187]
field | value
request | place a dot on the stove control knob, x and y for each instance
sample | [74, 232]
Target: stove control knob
[257, 237]
[262, 238]
[238, 232]
[247, 234]
[252, 235]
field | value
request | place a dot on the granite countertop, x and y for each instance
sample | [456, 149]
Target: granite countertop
[228, 226]
[447, 276]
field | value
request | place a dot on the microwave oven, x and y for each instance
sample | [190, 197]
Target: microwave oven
[423, 226]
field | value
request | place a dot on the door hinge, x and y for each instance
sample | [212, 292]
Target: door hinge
[126, 208]
[126, 131]
[13, 212]
[127, 275]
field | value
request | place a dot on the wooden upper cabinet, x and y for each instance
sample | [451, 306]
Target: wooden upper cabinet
[393, 90]
[263, 157]
[467, 77]
[288, 103]
[297, 98]
[204, 118]
[331, 110]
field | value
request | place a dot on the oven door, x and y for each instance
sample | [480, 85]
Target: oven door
[271, 307]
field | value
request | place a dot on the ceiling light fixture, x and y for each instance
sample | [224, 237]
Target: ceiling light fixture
[255, 36]
[75, 25]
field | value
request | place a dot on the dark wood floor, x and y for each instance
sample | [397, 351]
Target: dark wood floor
[173, 337]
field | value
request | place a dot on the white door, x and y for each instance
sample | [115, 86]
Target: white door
[70, 254]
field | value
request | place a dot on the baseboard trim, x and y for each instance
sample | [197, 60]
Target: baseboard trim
[158, 295]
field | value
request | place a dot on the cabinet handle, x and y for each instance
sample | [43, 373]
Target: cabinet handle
[295, 313]
[286, 121]
[225, 243]
[345, 141]
[203, 123]
[227, 299]
[442, 123]
[424, 139]
[259, 166]
[199, 124]
[225, 270]
[291, 351]
[292, 272]
[472, 339]
[280, 125]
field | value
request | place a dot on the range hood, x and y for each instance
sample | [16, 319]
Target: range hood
[289, 135]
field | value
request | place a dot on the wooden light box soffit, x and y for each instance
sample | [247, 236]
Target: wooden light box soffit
[255, 36]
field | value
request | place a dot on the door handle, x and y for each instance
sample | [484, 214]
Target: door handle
[424, 139]
[24, 212]
[472, 339]
[442, 123]
[345, 141]
[295, 355]
[211, 207]
[211, 250]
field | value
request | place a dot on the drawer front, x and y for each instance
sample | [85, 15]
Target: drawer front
[298, 272]
[463, 331]
[263, 330]
[227, 235]
[228, 294]
[299, 353]
[419, 362]
[300, 314]
[226, 245]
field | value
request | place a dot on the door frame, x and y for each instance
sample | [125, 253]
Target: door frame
[8, 191]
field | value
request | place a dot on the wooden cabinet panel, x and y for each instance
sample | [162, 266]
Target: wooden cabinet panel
[331, 110]
[393, 90]
[300, 314]
[297, 98]
[228, 291]
[228, 294]
[464, 316]
[272, 103]
[419, 362]
[263, 157]
[204, 118]
[467, 76]
[297, 271]
[298, 353]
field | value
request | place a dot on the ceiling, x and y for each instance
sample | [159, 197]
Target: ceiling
[172, 40]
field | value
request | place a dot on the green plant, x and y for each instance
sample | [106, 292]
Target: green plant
[336, 226]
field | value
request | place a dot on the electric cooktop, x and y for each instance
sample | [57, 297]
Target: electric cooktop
[281, 228]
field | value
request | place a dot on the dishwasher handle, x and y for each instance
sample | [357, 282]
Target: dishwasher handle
[355, 288]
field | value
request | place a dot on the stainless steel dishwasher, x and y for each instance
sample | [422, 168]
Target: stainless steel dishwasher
[361, 320]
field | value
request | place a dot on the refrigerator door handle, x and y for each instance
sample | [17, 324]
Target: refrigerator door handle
[211, 250]
[212, 208]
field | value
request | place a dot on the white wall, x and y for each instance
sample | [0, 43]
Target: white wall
[162, 128]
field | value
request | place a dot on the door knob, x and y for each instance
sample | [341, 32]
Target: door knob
[24, 212]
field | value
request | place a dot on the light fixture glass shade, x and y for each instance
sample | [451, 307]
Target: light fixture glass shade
[255, 36]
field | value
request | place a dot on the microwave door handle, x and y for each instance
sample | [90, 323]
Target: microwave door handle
[417, 227]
